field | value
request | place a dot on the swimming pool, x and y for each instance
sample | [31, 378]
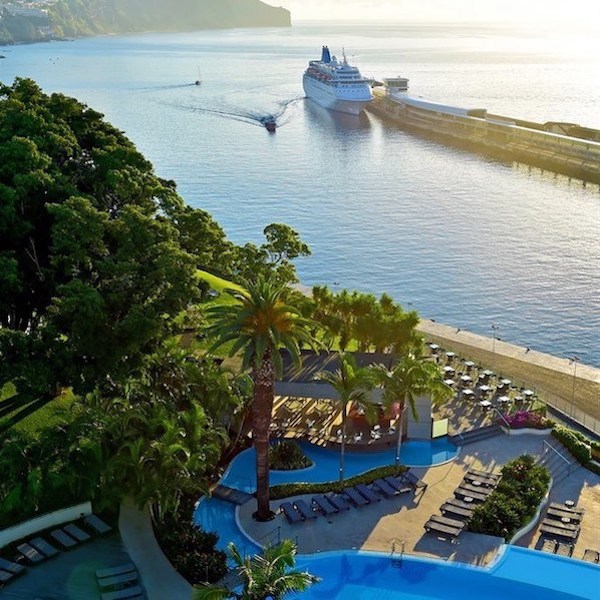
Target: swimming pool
[241, 474]
[520, 574]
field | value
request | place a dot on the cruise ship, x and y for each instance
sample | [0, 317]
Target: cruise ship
[336, 85]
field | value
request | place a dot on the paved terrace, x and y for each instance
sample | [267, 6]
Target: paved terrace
[377, 526]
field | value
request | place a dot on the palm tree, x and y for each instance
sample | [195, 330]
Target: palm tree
[411, 377]
[271, 575]
[258, 323]
[352, 384]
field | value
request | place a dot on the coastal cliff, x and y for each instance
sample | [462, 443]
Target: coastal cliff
[76, 18]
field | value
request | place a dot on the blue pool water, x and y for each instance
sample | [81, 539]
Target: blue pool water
[520, 574]
[241, 474]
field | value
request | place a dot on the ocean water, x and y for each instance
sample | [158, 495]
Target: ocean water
[462, 239]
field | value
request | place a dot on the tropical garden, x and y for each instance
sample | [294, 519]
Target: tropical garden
[139, 347]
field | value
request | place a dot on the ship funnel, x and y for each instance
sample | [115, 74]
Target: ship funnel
[325, 56]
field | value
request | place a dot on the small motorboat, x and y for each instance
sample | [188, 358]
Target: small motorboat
[270, 125]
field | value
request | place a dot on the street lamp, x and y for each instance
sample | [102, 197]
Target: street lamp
[494, 329]
[573, 361]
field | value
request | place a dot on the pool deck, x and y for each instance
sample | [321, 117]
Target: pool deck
[401, 518]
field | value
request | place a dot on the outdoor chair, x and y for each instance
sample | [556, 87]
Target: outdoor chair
[76, 532]
[322, 504]
[306, 511]
[367, 492]
[44, 547]
[65, 540]
[97, 524]
[291, 514]
[113, 571]
[401, 485]
[356, 498]
[11, 567]
[549, 545]
[358, 437]
[414, 480]
[590, 555]
[131, 592]
[375, 434]
[385, 488]
[564, 549]
[338, 501]
[30, 553]
[118, 580]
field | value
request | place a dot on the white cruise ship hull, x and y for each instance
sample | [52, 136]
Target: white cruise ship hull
[327, 96]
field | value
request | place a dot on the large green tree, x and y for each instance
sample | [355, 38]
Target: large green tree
[97, 254]
[257, 324]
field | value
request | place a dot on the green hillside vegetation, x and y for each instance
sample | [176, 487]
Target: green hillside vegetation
[88, 17]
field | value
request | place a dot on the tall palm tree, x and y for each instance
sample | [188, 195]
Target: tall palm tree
[411, 377]
[352, 384]
[258, 323]
[271, 575]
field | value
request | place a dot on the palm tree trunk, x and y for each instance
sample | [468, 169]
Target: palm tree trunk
[343, 447]
[263, 376]
[400, 426]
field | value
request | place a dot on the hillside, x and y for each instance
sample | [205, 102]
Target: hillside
[75, 18]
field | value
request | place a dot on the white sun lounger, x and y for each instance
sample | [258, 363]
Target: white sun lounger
[31, 553]
[130, 592]
[118, 580]
[113, 571]
[97, 524]
[76, 532]
[66, 541]
[11, 567]
[44, 547]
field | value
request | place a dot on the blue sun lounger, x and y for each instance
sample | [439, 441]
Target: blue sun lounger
[44, 547]
[114, 571]
[306, 511]
[31, 553]
[385, 488]
[355, 497]
[322, 504]
[367, 492]
[65, 540]
[118, 580]
[97, 524]
[5, 577]
[131, 592]
[338, 501]
[11, 567]
[414, 480]
[398, 484]
[291, 514]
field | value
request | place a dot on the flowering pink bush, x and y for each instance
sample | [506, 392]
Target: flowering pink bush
[525, 418]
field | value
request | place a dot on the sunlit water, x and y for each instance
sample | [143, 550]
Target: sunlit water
[465, 240]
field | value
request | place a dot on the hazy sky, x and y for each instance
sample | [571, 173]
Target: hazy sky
[527, 12]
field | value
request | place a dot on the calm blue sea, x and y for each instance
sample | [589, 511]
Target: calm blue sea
[465, 240]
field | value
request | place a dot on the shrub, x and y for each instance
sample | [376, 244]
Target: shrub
[286, 455]
[514, 502]
[295, 489]
[576, 443]
[191, 550]
[525, 418]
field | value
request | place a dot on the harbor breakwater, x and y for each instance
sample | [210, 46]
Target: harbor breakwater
[567, 386]
[496, 136]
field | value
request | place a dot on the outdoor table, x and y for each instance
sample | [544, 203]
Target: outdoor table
[450, 354]
[468, 393]
[505, 381]
[466, 379]
[528, 393]
[485, 404]
[504, 399]
[484, 388]
[449, 369]
[449, 382]
[469, 364]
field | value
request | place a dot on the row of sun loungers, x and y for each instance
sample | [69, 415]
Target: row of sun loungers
[38, 550]
[559, 548]
[358, 495]
[475, 487]
[562, 521]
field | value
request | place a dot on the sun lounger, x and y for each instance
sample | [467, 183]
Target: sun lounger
[5, 577]
[306, 511]
[355, 497]
[11, 567]
[114, 571]
[291, 514]
[400, 485]
[549, 545]
[479, 489]
[558, 514]
[463, 493]
[447, 521]
[385, 488]
[460, 503]
[481, 479]
[44, 547]
[338, 501]
[76, 532]
[322, 504]
[367, 492]
[564, 549]
[570, 509]
[480, 473]
[561, 525]
[118, 580]
[456, 510]
[130, 592]
[30, 553]
[414, 480]
[558, 532]
[448, 532]
[590, 555]
[66, 541]
[97, 524]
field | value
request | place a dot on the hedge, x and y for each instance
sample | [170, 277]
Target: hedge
[575, 442]
[285, 490]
